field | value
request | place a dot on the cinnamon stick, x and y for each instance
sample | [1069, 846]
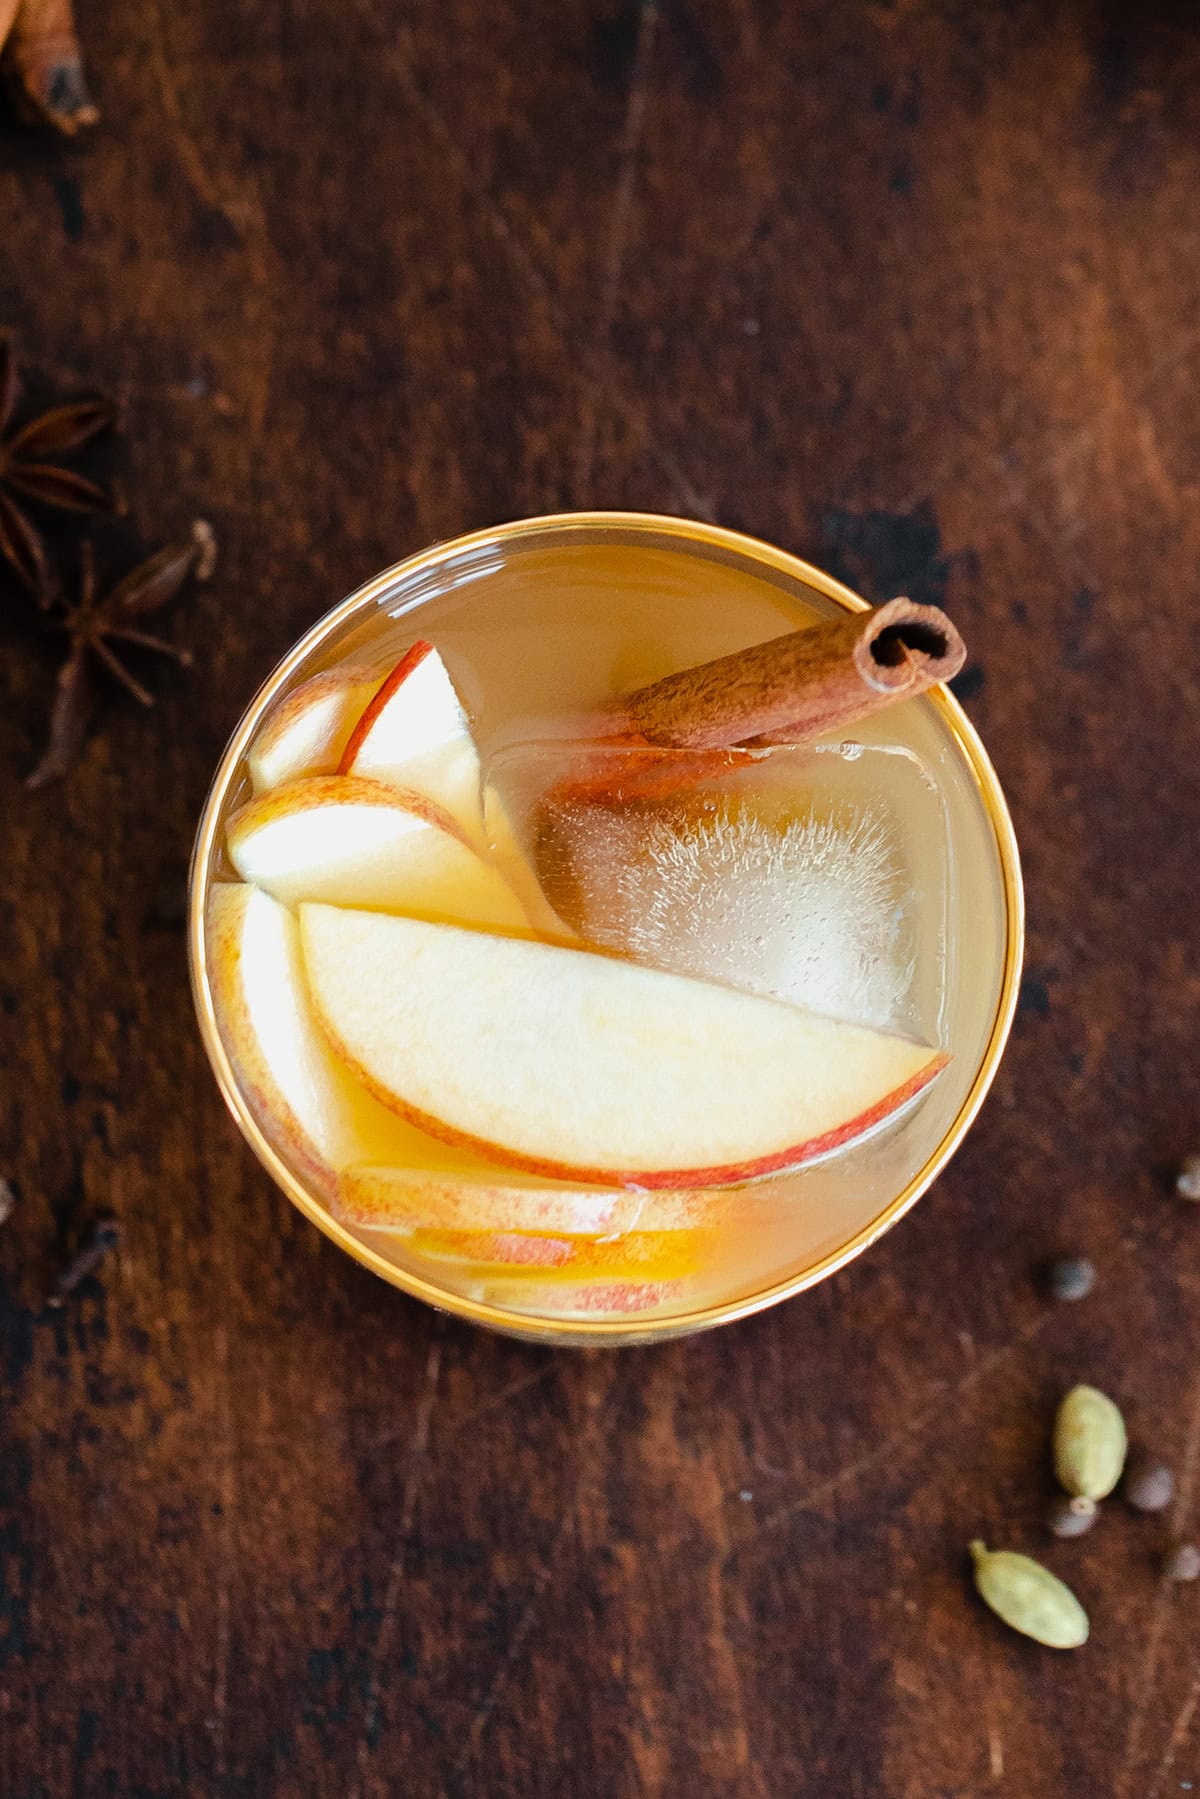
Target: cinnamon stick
[796, 687]
[785, 691]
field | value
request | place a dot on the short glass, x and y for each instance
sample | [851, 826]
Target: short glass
[548, 614]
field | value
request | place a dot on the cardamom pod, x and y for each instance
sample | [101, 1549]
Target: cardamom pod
[1089, 1443]
[1029, 1598]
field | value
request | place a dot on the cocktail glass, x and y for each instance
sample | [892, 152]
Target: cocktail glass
[544, 615]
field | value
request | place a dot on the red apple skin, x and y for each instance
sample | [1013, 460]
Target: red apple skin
[728, 1175]
[436, 1204]
[434, 1201]
[326, 753]
[601, 1298]
[276, 1117]
[653, 1255]
[410, 660]
[314, 791]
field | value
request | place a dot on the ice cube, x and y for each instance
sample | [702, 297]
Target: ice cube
[813, 876]
[810, 913]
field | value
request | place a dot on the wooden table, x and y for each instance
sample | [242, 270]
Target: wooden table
[911, 289]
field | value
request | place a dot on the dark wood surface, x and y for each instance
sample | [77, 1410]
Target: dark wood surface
[911, 288]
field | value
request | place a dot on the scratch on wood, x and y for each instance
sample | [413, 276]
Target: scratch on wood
[521, 1630]
[226, 1559]
[725, 1659]
[618, 230]
[1189, 1463]
[630, 144]
[995, 1753]
[631, 137]
[496, 1400]
[595, 366]
[1145, 1688]
[245, 217]
[1148, 1661]
[188, 154]
[941, 1403]
[542, 1579]
[993, 1712]
[1179, 1731]
[1156, 471]
[391, 1602]
[419, 100]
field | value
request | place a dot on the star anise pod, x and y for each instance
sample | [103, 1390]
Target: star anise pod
[44, 63]
[26, 475]
[94, 625]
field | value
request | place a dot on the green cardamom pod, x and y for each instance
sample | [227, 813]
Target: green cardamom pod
[1029, 1598]
[1089, 1444]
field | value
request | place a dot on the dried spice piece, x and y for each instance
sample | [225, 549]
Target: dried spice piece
[103, 1236]
[1089, 1443]
[1182, 1562]
[795, 687]
[1187, 1181]
[1072, 1277]
[1148, 1484]
[8, 1200]
[1072, 1517]
[1029, 1598]
[26, 475]
[95, 624]
[44, 63]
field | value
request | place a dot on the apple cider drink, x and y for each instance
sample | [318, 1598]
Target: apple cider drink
[578, 989]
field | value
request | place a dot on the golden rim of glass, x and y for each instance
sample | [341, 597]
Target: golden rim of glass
[628, 1329]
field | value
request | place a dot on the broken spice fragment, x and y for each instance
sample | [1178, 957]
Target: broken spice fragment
[44, 63]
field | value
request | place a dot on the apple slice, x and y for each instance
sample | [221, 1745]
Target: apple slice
[319, 1119]
[652, 1255]
[579, 1299]
[403, 1200]
[307, 733]
[414, 734]
[357, 843]
[585, 1068]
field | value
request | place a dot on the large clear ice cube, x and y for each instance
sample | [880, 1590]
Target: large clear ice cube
[817, 876]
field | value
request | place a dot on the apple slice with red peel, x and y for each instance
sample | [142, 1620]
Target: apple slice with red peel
[403, 1200]
[308, 731]
[318, 1118]
[357, 843]
[584, 1068]
[579, 1299]
[414, 734]
[650, 1255]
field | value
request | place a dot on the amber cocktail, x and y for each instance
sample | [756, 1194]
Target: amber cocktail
[580, 1041]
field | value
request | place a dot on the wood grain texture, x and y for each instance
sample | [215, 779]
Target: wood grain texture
[909, 288]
